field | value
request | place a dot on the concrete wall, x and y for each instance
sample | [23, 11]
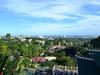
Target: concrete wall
[87, 66]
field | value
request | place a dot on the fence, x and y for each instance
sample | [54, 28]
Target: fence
[63, 70]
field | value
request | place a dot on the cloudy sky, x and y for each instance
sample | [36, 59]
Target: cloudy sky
[50, 17]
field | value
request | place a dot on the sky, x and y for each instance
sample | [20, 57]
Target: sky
[50, 17]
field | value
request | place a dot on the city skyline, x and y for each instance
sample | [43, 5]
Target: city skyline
[50, 17]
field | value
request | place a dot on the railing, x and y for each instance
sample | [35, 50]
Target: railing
[56, 70]
[63, 70]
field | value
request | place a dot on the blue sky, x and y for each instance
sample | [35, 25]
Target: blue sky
[50, 17]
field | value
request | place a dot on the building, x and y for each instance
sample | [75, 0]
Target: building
[52, 49]
[49, 58]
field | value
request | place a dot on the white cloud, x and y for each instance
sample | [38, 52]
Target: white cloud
[55, 9]
[46, 27]
[88, 26]
[90, 20]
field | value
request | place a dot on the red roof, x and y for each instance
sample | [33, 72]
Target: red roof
[38, 59]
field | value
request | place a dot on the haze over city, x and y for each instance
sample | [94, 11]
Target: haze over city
[50, 17]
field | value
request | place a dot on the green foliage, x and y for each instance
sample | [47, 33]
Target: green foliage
[15, 54]
[65, 60]
[59, 54]
[12, 65]
[8, 36]
[95, 43]
[49, 64]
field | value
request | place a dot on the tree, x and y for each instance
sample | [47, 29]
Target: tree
[66, 60]
[95, 43]
[14, 66]
[8, 36]
[71, 51]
